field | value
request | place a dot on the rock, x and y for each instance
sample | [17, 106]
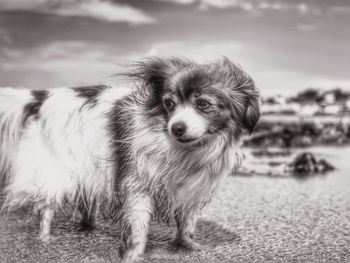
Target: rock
[303, 164]
[306, 163]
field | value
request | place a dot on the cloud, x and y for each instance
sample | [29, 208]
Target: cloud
[72, 56]
[64, 62]
[101, 10]
[194, 50]
[306, 27]
[323, 82]
[252, 5]
[60, 55]
[340, 10]
[5, 37]
[181, 2]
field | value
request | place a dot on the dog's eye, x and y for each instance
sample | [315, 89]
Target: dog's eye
[169, 104]
[203, 104]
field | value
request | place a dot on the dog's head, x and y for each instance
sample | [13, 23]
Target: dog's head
[198, 101]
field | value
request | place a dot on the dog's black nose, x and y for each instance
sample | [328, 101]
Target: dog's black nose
[178, 129]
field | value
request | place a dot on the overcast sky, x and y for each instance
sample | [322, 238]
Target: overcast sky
[285, 45]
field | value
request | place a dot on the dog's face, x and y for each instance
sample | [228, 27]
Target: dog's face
[194, 109]
[198, 102]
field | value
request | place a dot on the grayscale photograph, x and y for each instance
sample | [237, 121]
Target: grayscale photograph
[185, 131]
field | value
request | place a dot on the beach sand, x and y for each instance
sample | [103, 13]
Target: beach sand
[251, 219]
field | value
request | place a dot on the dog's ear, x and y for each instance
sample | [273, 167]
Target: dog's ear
[150, 76]
[245, 96]
[252, 112]
[151, 73]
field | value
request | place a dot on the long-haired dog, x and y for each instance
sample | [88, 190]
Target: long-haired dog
[159, 149]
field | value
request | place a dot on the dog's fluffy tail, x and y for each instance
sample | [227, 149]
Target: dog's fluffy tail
[13, 103]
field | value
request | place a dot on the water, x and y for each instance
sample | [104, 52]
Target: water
[251, 219]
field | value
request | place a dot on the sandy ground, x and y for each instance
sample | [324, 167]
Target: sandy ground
[251, 219]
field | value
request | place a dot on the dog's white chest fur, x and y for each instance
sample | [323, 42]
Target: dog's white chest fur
[180, 177]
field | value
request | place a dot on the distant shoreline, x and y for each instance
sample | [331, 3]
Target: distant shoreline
[294, 119]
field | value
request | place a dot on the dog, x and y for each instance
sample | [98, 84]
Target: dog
[157, 149]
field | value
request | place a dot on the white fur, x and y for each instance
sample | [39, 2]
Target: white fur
[195, 123]
[189, 176]
[12, 102]
[62, 154]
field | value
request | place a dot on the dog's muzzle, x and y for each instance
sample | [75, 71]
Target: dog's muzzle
[179, 129]
[186, 125]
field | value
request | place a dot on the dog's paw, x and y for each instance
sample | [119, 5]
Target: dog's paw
[188, 244]
[87, 225]
[129, 255]
[131, 261]
[45, 238]
[130, 258]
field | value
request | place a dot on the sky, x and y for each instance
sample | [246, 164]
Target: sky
[285, 45]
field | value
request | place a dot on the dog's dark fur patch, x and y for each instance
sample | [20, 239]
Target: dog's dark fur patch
[119, 127]
[192, 82]
[90, 93]
[33, 108]
[40, 95]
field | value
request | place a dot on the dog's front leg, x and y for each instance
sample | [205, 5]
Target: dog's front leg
[186, 226]
[137, 217]
[46, 214]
